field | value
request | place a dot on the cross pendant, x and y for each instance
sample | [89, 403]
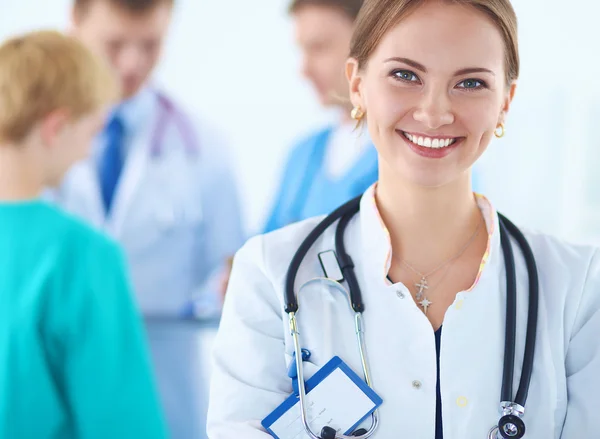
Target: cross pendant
[422, 286]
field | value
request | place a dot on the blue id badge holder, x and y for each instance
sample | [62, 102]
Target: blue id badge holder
[336, 397]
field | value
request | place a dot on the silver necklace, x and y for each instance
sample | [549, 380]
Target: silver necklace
[423, 284]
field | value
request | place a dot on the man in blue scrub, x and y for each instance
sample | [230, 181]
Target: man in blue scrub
[160, 182]
[338, 162]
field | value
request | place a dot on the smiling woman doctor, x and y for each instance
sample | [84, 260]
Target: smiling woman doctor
[436, 265]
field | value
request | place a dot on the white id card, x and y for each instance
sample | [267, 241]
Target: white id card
[336, 397]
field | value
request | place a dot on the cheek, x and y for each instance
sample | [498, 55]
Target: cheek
[389, 104]
[477, 115]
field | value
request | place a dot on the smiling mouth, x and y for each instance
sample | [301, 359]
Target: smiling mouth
[430, 142]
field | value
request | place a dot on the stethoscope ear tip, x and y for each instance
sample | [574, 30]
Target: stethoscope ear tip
[327, 433]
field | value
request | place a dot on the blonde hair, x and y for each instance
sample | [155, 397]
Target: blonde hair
[377, 17]
[44, 71]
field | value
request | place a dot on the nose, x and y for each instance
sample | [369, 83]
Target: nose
[132, 60]
[434, 109]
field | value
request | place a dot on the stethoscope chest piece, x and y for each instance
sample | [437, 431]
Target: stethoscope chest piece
[509, 427]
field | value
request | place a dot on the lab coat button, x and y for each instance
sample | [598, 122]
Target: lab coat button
[462, 401]
[416, 384]
[400, 294]
[459, 304]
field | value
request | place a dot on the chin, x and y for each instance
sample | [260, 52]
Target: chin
[424, 175]
[129, 91]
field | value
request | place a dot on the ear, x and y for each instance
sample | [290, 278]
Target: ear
[52, 126]
[355, 83]
[508, 98]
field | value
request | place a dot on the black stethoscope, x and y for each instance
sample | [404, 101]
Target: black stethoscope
[511, 424]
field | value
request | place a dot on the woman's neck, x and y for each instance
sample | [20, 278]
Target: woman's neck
[21, 174]
[427, 226]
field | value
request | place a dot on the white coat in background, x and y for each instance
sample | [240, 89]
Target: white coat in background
[254, 347]
[177, 215]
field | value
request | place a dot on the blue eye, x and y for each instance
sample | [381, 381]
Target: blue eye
[405, 75]
[471, 84]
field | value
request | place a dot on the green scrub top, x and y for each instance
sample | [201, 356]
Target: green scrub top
[73, 358]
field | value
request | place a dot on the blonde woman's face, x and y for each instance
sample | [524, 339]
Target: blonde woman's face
[434, 91]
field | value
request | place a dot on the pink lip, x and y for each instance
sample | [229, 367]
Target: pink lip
[431, 153]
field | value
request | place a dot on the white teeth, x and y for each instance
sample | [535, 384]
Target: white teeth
[428, 142]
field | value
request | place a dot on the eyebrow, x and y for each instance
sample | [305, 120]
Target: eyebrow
[423, 69]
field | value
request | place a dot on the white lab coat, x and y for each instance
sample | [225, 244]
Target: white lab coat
[253, 347]
[177, 216]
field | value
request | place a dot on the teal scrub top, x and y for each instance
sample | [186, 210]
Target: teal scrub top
[73, 359]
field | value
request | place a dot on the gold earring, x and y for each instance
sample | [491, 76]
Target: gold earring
[357, 113]
[501, 133]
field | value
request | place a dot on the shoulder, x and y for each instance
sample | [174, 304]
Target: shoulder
[569, 277]
[81, 241]
[205, 131]
[553, 253]
[273, 252]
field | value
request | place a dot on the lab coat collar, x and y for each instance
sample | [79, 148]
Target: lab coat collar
[377, 245]
[136, 114]
[137, 109]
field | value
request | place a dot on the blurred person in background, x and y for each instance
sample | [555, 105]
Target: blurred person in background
[160, 182]
[336, 163]
[73, 359]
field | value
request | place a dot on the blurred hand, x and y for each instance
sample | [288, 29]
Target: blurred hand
[224, 282]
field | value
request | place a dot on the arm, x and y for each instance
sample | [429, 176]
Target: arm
[249, 377]
[104, 366]
[583, 362]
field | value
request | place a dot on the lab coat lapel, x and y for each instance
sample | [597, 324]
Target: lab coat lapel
[376, 241]
[132, 178]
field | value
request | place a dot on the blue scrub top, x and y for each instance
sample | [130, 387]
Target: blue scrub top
[307, 191]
